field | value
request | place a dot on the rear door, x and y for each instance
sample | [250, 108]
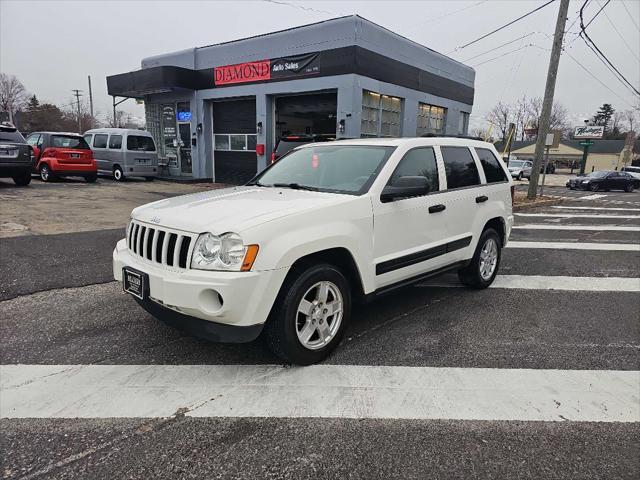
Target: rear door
[464, 190]
[408, 237]
[140, 150]
[100, 152]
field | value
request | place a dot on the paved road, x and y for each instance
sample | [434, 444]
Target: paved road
[442, 382]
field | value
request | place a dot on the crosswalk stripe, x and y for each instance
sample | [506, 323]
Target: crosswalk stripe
[554, 282]
[575, 215]
[614, 209]
[321, 391]
[594, 228]
[629, 247]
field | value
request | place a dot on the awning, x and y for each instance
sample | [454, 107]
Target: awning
[155, 80]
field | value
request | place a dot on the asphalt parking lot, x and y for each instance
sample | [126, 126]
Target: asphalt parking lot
[535, 377]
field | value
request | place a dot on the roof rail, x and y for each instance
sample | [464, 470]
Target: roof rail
[468, 137]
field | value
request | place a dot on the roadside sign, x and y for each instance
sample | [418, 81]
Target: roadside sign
[553, 139]
[592, 131]
[586, 143]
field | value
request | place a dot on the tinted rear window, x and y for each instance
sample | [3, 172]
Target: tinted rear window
[140, 143]
[460, 167]
[100, 140]
[115, 142]
[66, 141]
[285, 146]
[11, 136]
[491, 166]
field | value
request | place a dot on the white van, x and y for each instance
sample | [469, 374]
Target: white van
[123, 152]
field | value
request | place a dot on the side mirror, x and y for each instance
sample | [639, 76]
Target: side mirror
[405, 187]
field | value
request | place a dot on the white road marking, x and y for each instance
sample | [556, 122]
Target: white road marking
[629, 247]
[325, 391]
[595, 196]
[556, 282]
[574, 215]
[614, 209]
[594, 228]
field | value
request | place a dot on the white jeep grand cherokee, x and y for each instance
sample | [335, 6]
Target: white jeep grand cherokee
[328, 224]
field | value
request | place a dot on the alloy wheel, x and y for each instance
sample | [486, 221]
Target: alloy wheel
[488, 258]
[319, 315]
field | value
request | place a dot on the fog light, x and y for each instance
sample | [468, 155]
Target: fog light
[210, 300]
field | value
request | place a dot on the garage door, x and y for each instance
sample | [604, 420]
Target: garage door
[306, 114]
[234, 139]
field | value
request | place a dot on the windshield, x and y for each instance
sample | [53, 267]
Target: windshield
[597, 174]
[285, 146]
[68, 141]
[516, 163]
[341, 168]
[140, 143]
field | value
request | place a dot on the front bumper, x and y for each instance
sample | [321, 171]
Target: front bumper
[221, 306]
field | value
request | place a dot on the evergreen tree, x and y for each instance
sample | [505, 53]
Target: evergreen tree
[603, 116]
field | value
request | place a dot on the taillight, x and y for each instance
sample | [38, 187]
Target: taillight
[513, 193]
[273, 157]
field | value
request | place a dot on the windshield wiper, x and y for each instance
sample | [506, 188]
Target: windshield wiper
[257, 184]
[295, 186]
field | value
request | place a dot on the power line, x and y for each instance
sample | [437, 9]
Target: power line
[309, 9]
[504, 54]
[431, 21]
[619, 34]
[597, 13]
[588, 41]
[502, 27]
[499, 46]
[629, 13]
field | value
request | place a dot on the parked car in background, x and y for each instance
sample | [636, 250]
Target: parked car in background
[287, 143]
[327, 226]
[16, 156]
[520, 169]
[551, 168]
[604, 180]
[631, 170]
[123, 152]
[61, 154]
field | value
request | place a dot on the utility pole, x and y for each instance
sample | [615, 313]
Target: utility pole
[77, 93]
[90, 101]
[545, 116]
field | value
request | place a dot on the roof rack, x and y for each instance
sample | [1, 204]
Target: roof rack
[468, 137]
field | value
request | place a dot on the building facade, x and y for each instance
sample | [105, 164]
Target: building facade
[218, 111]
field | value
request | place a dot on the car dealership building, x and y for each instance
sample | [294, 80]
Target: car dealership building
[217, 111]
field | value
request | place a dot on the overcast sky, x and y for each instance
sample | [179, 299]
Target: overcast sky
[51, 46]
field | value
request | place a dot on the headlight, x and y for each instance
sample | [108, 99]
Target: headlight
[224, 252]
[586, 181]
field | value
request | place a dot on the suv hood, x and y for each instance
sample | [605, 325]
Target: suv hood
[232, 209]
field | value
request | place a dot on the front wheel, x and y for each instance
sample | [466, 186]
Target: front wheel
[629, 188]
[309, 315]
[23, 179]
[519, 177]
[483, 267]
[594, 187]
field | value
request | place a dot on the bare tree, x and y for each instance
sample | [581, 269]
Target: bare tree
[500, 117]
[13, 95]
[631, 118]
[559, 115]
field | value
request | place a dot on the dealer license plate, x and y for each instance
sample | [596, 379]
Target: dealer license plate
[135, 282]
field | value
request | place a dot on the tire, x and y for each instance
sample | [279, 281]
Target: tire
[91, 178]
[286, 324]
[519, 177]
[149, 179]
[629, 188]
[118, 174]
[594, 187]
[23, 179]
[46, 175]
[475, 275]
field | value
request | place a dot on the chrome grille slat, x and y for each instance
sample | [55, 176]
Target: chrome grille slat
[160, 246]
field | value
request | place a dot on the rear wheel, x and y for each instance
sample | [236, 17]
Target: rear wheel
[483, 267]
[629, 188]
[22, 179]
[149, 179]
[91, 178]
[46, 175]
[309, 315]
[118, 174]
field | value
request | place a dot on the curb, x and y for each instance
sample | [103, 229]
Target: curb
[549, 201]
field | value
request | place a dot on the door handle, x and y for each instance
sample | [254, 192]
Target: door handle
[436, 208]
[481, 199]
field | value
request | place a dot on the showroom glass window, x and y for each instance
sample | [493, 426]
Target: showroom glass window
[463, 123]
[381, 115]
[460, 167]
[418, 162]
[235, 142]
[491, 166]
[431, 119]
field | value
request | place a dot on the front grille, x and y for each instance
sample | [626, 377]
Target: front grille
[159, 246]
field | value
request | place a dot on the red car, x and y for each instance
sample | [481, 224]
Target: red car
[61, 154]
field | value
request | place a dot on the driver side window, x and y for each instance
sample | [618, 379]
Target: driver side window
[418, 162]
